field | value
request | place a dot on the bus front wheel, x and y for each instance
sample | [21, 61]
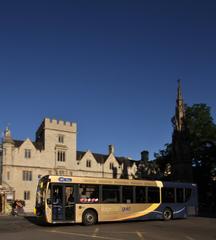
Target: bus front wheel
[89, 217]
[167, 214]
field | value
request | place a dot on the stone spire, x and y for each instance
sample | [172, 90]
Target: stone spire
[7, 136]
[180, 111]
[181, 157]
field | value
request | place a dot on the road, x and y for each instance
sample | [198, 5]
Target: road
[196, 228]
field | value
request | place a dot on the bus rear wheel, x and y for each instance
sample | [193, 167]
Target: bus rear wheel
[89, 217]
[167, 214]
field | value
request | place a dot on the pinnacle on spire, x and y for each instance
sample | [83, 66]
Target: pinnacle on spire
[179, 96]
[7, 136]
[180, 112]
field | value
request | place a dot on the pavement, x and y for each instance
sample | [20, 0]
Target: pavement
[193, 228]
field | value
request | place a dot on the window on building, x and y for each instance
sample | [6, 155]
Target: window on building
[27, 153]
[111, 194]
[111, 166]
[8, 175]
[61, 138]
[61, 172]
[61, 156]
[27, 175]
[127, 194]
[26, 195]
[88, 163]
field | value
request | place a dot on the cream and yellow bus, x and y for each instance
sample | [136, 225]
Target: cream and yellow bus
[63, 199]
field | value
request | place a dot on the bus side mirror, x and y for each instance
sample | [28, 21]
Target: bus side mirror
[49, 201]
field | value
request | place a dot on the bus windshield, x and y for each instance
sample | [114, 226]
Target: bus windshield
[41, 192]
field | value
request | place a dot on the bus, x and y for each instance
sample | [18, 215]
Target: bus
[88, 200]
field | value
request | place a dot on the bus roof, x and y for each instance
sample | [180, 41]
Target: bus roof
[111, 181]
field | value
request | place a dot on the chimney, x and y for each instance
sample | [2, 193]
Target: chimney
[111, 149]
[144, 156]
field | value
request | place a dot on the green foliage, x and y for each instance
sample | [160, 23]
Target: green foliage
[163, 160]
[202, 138]
[200, 124]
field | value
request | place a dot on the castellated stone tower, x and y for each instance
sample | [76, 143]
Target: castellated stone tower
[58, 140]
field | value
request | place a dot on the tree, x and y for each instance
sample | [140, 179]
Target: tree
[201, 129]
[163, 160]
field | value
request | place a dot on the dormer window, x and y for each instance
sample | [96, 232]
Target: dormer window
[27, 153]
[111, 166]
[61, 138]
[88, 163]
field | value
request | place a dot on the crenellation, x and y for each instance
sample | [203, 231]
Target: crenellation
[60, 122]
[54, 121]
[59, 125]
[67, 123]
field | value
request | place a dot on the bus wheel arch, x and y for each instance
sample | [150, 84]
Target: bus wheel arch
[89, 217]
[167, 214]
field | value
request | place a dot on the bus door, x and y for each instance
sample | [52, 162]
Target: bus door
[69, 203]
[63, 205]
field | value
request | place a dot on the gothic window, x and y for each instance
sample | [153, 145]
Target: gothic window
[61, 138]
[111, 166]
[8, 175]
[26, 195]
[27, 153]
[88, 163]
[27, 175]
[61, 156]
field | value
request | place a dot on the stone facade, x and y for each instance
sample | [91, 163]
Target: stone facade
[54, 152]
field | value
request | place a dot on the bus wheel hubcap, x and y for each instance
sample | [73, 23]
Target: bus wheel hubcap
[89, 218]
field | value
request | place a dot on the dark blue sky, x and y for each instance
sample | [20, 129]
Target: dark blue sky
[110, 66]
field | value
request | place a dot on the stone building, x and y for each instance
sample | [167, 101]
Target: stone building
[54, 151]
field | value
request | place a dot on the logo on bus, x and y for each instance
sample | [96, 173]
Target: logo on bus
[63, 179]
[126, 209]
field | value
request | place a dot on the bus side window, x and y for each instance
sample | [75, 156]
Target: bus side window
[187, 194]
[88, 193]
[111, 194]
[141, 195]
[168, 195]
[179, 195]
[127, 194]
[153, 195]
